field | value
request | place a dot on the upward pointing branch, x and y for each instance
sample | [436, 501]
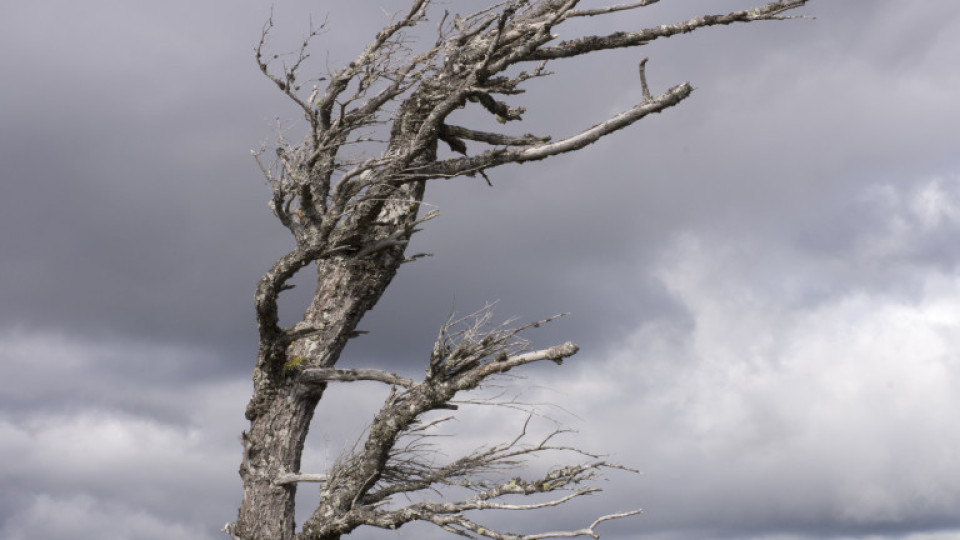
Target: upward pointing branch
[670, 98]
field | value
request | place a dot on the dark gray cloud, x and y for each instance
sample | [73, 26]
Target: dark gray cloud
[763, 280]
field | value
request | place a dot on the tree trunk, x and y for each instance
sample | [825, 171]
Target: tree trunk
[273, 446]
[281, 409]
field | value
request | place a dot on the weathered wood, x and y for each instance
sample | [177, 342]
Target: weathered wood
[352, 219]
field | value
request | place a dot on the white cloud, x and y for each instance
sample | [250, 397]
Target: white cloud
[809, 385]
[52, 518]
[128, 467]
[769, 408]
[806, 390]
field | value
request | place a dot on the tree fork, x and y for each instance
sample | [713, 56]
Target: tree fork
[281, 408]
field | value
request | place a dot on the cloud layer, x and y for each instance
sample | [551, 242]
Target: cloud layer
[763, 281]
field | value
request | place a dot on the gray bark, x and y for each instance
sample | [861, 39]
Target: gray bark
[352, 218]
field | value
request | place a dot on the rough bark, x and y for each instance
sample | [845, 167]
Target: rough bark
[352, 218]
[281, 407]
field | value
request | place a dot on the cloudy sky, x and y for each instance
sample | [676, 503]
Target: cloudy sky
[763, 281]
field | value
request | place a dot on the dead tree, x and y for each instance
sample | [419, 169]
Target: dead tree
[352, 215]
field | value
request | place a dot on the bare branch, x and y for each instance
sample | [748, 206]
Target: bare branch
[321, 375]
[610, 9]
[380, 469]
[291, 478]
[492, 138]
[670, 98]
[643, 81]
[288, 83]
[585, 45]
[351, 193]
[492, 158]
[341, 79]
[272, 284]
[449, 515]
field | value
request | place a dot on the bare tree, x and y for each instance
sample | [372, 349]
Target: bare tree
[350, 193]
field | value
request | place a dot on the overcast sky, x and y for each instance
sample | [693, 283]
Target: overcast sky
[763, 281]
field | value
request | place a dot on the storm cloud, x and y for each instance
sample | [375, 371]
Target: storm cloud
[763, 281]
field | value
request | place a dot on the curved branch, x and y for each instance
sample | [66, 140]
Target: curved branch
[273, 282]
